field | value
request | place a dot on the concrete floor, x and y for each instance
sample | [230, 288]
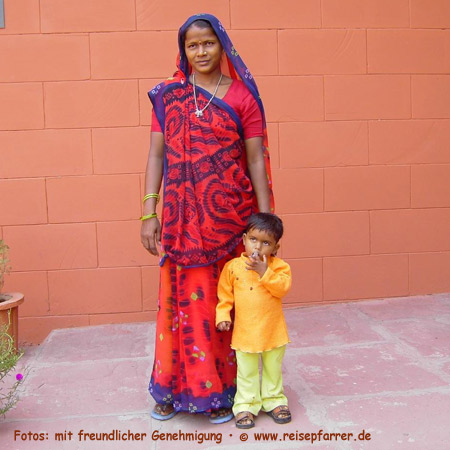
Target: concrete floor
[374, 367]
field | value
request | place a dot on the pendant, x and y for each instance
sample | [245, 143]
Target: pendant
[198, 113]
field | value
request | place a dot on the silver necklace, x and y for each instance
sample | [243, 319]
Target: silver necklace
[199, 112]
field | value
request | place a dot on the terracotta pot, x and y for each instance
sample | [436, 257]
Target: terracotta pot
[10, 302]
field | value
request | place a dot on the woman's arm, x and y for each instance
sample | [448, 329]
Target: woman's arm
[151, 228]
[258, 175]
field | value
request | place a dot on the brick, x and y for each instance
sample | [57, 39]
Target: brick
[120, 150]
[119, 244]
[142, 186]
[150, 288]
[33, 330]
[145, 105]
[260, 59]
[54, 152]
[22, 202]
[95, 291]
[106, 319]
[429, 273]
[35, 287]
[430, 186]
[93, 198]
[306, 281]
[430, 96]
[408, 51]
[356, 97]
[370, 187]
[21, 16]
[326, 234]
[21, 106]
[426, 14]
[153, 15]
[321, 52]
[282, 14]
[365, 13]
[408, 231]
[409, 141]
[62, 16]
[291, 99]
[143, 54]
[86, 104]
[52, 247]
[305, 184]
[44, 58]
[371, 276]
[323, 144]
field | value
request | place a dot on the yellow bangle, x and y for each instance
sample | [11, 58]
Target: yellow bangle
[149, 216]
[147, 196]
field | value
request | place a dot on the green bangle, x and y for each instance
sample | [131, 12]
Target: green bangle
[147, 196]
[149, 216]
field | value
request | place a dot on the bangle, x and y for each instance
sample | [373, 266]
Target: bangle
[147, 196]
[149, 216]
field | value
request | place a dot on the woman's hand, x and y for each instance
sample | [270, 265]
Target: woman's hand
[151, 235]
[224, 326]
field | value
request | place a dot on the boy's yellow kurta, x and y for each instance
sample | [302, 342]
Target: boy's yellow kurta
[259, 323]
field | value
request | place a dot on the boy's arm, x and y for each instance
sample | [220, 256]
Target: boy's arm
[225, 294]
[277, 279]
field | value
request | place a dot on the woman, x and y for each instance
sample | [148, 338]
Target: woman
[208, 142]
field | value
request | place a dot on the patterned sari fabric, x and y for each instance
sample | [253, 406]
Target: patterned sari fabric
[208, 198]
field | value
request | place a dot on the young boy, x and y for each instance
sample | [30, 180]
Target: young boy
[254, 284]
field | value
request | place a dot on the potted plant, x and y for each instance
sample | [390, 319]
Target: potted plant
[8, 360]
[9, 354]
[9, 302]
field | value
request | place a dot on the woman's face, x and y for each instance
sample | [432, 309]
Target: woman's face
[203, 50]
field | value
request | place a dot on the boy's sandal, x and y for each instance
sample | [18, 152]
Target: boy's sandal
[163, 411]
[245, 420]
[221, 415]
[280, 414]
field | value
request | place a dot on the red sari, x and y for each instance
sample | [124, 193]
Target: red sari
[208, 198]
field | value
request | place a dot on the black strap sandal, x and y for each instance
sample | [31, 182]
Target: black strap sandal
[242, 418]
[280, 414]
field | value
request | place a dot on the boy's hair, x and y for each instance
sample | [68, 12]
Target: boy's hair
[267, 222]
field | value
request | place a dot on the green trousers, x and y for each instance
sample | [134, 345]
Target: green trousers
[250, 395]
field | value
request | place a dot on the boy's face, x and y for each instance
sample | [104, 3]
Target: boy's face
[261, 242]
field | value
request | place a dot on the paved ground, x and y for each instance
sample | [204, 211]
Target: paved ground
[374, 367]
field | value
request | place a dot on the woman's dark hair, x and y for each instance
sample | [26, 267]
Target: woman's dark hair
[199, 23]
[270, 223]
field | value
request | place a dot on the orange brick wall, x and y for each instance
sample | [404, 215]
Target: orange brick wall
[357, 94]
